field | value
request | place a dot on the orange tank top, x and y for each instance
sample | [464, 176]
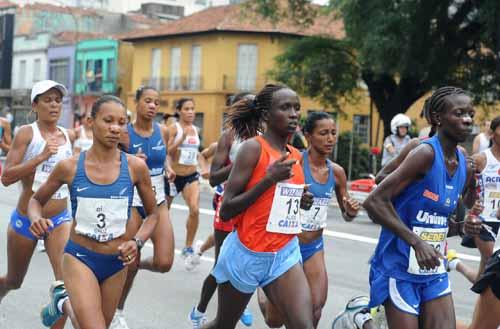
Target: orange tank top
[252, 222]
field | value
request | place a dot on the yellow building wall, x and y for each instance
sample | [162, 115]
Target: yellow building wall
[219, 61]
[124, 68]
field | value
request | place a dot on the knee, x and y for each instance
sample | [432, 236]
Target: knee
[194, 212]
[14, 284]
[163, 266]
[304, 321]
[273, 322]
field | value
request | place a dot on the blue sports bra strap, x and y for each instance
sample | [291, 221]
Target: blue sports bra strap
[80, 168]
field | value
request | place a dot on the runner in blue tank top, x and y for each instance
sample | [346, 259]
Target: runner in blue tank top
[103, 242]
[412, 204]
[324, 179]
[148, 140]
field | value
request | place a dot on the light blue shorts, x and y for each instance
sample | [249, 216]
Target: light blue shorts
[406, 296]
[246, 269]
[21, 224]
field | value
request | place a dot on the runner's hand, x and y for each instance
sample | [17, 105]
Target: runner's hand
[50, 148]
[40, 228]
[428, 258]
[351, 206]
[478, 208]
[307, 199]
[472, 225]
[281, 169]
[170, 175]
[141, 154]
[128, 252]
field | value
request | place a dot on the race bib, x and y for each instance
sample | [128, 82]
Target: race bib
[285, 211]
[101, 219]
[42, 174]
[436, 237]
[491, 204]
[188, 156]
[314, 219]
[158, 184]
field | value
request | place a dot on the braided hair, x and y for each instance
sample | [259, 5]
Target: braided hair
[436, 104]
[245, 116]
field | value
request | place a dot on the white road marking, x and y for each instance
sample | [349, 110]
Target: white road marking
[329, 233]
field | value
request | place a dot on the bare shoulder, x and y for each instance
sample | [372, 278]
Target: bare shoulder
[24, 134]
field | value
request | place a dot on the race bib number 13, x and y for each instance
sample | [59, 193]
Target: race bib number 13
[285, 211]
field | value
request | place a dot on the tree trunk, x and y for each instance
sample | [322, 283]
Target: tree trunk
[390, 97]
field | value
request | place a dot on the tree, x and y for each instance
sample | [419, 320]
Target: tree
[403, 49]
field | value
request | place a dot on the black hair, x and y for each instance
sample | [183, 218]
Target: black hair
[180, 102]
[238, 97]
[96, 107]
[245, 116]
[436, 104]
[314, 117]
[495, 123]
[141, 90]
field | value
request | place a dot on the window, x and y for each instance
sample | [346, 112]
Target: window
[155, 68]
[110, 70]
[175, 68]
[59, 70]
[93, 75]
[361, 127]
[37, 67]
[247, 67]
[195, 77]
[22, 74]
[79, 71]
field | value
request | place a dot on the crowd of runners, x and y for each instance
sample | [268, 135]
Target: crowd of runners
[271, 206]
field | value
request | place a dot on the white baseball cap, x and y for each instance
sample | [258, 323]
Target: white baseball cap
[42, 86]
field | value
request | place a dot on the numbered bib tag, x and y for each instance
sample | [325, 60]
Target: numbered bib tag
[491, 204]
[101, 219]
[436, 237]
[314, 219]
[158, 184]
[188, 156]
[285, 211]
[42, 174]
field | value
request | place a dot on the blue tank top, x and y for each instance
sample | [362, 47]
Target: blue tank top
[153, 147]
[101, 211]
[424, 206]
[315, 218]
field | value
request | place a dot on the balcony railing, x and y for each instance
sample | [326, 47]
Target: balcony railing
[175, 83]
[233, 83]
[96, 86]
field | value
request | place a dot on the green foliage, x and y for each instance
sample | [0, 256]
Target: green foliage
[320, 68]
[403, 49]
[360, 155]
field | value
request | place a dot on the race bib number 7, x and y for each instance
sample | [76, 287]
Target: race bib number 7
[436, 237]
[285, 211]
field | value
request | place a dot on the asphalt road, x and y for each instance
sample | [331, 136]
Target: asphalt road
[164, 300]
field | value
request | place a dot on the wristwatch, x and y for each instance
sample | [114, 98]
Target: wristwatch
[139, 243]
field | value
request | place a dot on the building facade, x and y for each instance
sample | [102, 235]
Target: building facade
[29, 61]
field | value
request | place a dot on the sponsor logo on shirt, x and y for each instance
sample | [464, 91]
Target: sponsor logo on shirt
[430, 195]
[427, 218]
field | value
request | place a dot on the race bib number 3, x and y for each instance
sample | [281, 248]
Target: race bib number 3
[188, 156]
[436, 237]
[101, 219]
[285, 211]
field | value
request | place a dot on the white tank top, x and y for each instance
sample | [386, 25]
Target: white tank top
[490, 187]
[233, 151]
[484, 142]
[83, 142]
[44, 169]
[189, 147]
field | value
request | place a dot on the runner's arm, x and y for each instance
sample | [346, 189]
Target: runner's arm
[142, 181]
[173, 145]
[379, 203]
[6, 140]
[219, 171]
[203, 159]
[475, 164]
[343, 198]
[15, 169]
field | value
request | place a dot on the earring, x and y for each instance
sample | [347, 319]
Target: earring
[439, 124]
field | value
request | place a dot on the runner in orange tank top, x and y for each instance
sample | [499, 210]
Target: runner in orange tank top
[266, 188]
